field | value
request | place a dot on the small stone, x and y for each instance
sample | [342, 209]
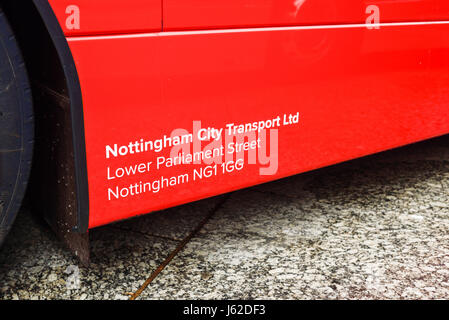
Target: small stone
[52, 277]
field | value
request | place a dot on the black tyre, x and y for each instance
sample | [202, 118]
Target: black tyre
[16, 127]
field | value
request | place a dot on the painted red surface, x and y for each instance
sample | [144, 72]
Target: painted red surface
[109, 16]
[357, 92]
[200, 14]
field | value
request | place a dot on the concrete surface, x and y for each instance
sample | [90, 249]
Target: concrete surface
[374, 228]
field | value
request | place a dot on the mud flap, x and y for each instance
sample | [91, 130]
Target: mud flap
[54, 173]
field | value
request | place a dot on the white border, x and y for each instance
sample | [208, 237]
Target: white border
[246, 30]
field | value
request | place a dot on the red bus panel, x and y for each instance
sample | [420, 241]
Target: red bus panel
[212, 14]
[86, 17]
[337, 93]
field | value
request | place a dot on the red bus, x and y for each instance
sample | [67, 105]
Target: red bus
[128, 107]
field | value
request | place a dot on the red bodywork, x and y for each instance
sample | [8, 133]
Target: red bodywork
[148, 67]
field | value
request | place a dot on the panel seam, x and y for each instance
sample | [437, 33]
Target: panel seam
[256, 29]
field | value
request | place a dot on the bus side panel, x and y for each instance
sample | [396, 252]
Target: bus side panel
[200, 14]
[354, 91]
[87, 17]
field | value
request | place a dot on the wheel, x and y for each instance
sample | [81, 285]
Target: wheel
[16, 127]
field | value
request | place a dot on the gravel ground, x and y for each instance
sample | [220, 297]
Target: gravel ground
[373, 228]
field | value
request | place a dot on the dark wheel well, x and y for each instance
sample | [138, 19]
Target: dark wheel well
[58, 112]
